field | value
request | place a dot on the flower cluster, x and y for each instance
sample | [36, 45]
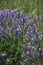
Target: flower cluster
[27, 33]
[3, 56]
[32, 51]
[10, 20]
[11, 26]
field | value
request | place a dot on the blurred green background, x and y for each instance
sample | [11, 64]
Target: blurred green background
[26, 5]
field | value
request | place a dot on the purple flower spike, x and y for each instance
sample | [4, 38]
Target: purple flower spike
[12, 28]
[3, 56]
[1, 11]
[7, 31]
[18, 28]
[34, 53]
[1, 30]
[36, 20]
[41, 52]
[15, 12]
[21, 14]
[33, 63]
[25, 19]
[18, 32]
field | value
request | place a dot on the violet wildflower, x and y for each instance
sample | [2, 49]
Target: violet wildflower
[33, 63]
[41, 53]
[25, 19]
[15, 12]
[21, 14]
[1, 30]
[36, 20]
[12, 28]
[7, 30]
[34, 53]
[18, 32]
[3, 56]
[28, 52]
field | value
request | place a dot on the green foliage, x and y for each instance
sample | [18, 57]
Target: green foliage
[12, 48]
